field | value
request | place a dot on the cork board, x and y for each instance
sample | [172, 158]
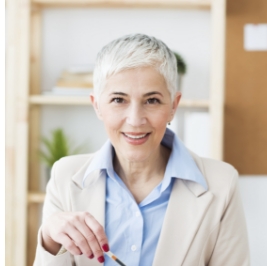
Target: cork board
[245, 121]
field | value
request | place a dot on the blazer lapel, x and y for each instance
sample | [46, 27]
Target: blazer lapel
[187, 206]
[90, 199]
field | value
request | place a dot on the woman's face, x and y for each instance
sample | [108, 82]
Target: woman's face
[135, 107]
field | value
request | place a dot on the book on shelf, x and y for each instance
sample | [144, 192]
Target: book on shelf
[73, 83]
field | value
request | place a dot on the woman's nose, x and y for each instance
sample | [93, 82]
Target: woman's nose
[135, 116]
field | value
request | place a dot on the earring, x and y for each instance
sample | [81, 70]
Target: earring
[169, 123]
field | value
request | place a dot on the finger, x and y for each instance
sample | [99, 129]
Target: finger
[98, 240]
[86, 233]
[69, 245]
[98, 231]
[95, 247]
[80, 241]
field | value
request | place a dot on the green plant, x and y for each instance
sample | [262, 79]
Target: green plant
[181, 65]
[181, 69]
[56, 147]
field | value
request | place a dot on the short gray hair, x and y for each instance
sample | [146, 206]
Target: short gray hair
[132, 51]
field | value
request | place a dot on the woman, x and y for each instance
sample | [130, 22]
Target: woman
[144, 196]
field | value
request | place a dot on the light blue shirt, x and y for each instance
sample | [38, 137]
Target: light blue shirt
[133, 229]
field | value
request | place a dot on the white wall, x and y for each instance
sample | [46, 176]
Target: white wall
[253, 191]
[74, 36]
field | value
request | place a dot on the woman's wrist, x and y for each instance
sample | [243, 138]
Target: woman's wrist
[49, 244]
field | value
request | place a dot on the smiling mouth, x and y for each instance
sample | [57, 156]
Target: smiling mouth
[136, 136]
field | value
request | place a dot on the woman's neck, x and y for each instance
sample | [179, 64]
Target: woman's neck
[142, 177]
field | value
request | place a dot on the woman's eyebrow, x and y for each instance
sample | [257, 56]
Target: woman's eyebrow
[152, 92]
[118, 93]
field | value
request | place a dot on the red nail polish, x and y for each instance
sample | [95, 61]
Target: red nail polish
[81, 253]
[105, 247]
[91, 256]
[101, 259]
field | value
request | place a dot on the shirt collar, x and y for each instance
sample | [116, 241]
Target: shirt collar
[180, 164]
[103, 160]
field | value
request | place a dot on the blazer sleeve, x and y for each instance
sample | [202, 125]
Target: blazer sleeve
[52, 204]
[232, 242]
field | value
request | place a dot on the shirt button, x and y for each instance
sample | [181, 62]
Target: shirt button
[133, 247]
[137, 214]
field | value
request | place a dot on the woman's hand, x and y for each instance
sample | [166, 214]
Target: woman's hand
[79, 232]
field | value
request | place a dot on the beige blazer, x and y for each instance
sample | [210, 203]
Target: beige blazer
[200, 227]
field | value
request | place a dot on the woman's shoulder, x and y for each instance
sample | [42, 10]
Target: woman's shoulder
[219, 175]
[74, 161]
[220, 168]
[69, 166]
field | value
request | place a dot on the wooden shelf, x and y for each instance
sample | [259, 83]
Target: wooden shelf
[84, 100]
[203, 104]
[59, 100]
[36, 197]
[186, 4]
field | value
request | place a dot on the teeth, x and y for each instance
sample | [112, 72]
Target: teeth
[135, 137]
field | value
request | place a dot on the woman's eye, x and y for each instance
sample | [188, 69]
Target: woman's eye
[153, 101]
[117, 100]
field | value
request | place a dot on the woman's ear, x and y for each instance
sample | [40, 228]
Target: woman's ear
[96, 106]
[175, 103]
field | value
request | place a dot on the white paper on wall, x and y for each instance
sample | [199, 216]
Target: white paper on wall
[197, 133]
[255, 37]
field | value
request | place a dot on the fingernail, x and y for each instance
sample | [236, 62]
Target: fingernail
[101, 259]
[91, 256]
[81, 253]
[105, 247]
